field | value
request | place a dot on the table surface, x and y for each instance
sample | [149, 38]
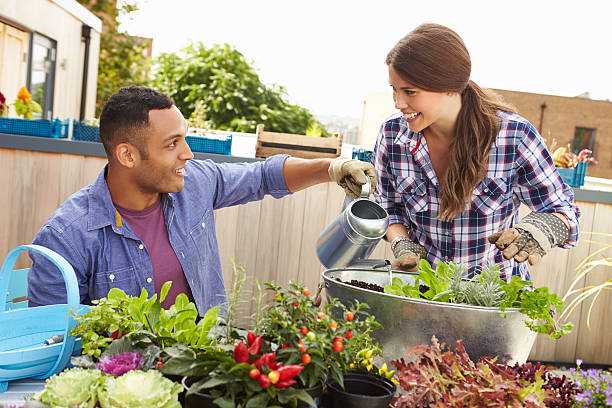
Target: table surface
[18, 391]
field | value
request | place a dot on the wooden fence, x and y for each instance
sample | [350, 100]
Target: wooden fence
[275, 240]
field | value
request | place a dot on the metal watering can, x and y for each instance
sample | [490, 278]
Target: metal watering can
[354, 234]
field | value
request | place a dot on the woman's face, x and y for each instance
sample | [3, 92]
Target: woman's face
[420, 108]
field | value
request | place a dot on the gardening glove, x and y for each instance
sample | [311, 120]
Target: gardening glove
[407, 254]
[531, 237]
[351, 175]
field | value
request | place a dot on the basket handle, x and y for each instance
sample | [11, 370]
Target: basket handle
[72, 298]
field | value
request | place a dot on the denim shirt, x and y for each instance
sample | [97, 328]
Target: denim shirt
[105, 253]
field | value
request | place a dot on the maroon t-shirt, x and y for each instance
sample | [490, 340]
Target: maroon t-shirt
[149, 225]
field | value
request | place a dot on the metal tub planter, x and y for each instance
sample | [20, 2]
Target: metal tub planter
[411, 322]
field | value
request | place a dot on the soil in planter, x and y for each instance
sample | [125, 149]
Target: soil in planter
[373, 286]
[363, 285]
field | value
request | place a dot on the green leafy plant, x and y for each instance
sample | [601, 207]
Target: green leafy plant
[217, 88]
[143, 321]
[73, 387]
[446, 283]
[326, 339]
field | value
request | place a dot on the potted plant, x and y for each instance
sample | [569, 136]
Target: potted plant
[238, 376]
[328, 339]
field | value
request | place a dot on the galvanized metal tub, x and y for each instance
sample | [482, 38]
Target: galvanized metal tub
[411, 322]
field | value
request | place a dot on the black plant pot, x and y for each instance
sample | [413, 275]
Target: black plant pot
[361, 390]
[196, 399]
[315, 392]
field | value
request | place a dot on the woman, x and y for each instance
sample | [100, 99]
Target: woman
[454, 165]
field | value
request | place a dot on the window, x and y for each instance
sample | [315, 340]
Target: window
[584, 138]
[41, 73]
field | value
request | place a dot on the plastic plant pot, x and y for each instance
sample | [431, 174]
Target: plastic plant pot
[361, 390]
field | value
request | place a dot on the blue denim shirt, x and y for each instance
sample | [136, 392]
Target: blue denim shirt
[105, 253]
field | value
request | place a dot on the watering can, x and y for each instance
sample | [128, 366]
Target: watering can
[354, 234]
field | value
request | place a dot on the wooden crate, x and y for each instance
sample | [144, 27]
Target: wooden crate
[307, 147]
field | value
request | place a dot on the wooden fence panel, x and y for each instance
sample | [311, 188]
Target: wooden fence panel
[275, 239]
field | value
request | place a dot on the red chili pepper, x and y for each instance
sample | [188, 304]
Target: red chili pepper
[306, 358]
[284, 346]
[264, 381]
[337, 346]
[333, 324]
[160, 364]
[340, 339]
[241, 354]
[295, 304]
[303, 330]
[302, 349]
[250, 338]
[255, 346]
[306, 292]
[350, 316]
[254, 373]
[289, 371]
[268, 359]
[348, 334]
[300, 341]
[284, 384]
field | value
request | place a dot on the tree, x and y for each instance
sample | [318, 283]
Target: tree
[217, 88]
[123, 58]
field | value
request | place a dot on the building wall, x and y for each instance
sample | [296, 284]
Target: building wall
[561, 116]
[59, 20]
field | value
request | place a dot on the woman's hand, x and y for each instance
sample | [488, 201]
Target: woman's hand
[532, 237]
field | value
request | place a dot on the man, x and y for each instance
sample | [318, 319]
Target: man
[148, 217]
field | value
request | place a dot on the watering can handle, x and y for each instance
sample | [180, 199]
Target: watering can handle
[365, 193]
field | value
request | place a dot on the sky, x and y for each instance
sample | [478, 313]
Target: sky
[329, 54]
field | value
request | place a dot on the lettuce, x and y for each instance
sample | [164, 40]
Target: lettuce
[76, 387]
[139, 389]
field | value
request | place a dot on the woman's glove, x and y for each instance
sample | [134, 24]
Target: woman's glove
[351, 175]
[407, 254]
[531, 237]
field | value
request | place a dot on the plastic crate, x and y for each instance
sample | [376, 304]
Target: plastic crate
[23, 353]
[362, 154]
[202, 144]
[43, 128]
[574, 177]
[83, 132]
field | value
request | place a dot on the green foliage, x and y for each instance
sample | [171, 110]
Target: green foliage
[142, 319]
[27, 108]
[123, 59]
[139, 389]
[217, 88]
[446, 284]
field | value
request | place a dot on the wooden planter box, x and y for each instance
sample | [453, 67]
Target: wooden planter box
[306, 147]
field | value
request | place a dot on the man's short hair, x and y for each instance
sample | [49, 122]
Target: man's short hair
[125, 117]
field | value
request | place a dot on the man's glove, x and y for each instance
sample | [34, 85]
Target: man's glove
[351, 175]
[531, 237]
[407, 254]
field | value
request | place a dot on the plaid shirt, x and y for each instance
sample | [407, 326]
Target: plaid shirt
[520, 169]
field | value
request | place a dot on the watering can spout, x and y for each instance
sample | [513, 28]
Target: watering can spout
[355, 232]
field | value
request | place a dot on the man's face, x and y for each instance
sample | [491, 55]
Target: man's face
[163, 171]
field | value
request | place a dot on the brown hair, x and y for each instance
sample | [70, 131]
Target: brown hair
[434, 58]
[125, 117]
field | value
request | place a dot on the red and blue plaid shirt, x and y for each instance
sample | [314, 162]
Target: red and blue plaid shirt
[520, 170]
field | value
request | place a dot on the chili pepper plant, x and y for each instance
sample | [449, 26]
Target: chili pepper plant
[325, 339]
[237, 376]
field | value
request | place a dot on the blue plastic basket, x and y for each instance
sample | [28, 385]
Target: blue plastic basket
[22, 350]
[574, 177]
[210, 145]
[81, 131]
[362, 154]
[44, 128]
